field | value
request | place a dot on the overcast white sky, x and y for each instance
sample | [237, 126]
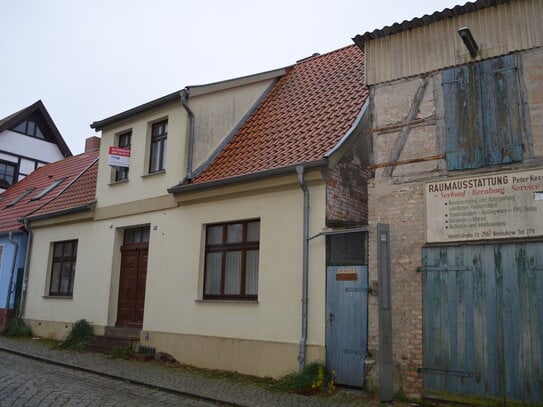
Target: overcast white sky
[88, 60]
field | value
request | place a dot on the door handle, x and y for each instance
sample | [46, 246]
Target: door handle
[331, 317]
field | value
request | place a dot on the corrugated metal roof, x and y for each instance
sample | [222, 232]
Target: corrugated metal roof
[427, 19]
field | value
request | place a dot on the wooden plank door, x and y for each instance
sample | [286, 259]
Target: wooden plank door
[132, 284]
[483, 322]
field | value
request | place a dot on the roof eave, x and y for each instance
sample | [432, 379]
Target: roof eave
[291, 169]
[417, 22]
[62, 212]
[153, 104]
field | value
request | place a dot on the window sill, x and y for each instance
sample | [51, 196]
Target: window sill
[227, 301]
[123, 181]
[59, 297]
[151, 174]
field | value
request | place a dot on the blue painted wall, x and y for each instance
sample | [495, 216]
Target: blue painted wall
[5, 266]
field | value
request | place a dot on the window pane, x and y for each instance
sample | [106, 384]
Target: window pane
[214, 235]
[65, 278]
[155, 158]
[72, 278]
[213, 273]
[31, 128]
[39, 134]
[21, 128]
[232, 279]
[68, 249]
[145, 234]
[129, 236]
[58, 250]
[251, 273]
[253, 232]
[55, 278]
[137, 235]
[234, 233]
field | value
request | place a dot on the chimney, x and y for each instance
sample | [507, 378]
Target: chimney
[92, 143]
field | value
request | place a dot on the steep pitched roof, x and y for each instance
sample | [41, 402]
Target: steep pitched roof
[305, 115]
[39, 109]
[74, 187]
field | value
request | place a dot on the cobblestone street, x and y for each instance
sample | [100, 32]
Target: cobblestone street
[32, 373]
[28, 382]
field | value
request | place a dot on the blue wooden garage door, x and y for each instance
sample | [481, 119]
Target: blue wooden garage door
[483, 321]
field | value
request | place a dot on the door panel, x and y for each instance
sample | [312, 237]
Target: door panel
[483, 321]
[132, 282]
[346, 322]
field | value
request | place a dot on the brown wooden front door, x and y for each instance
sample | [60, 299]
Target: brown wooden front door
[132, 284]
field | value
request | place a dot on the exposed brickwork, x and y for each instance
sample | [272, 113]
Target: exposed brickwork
[346, 190]
[402, 207]
[399, 202]
[92, 143]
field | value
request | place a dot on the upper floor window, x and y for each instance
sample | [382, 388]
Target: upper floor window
[63, 268]
[8, 172]
[483, 117]
[125, 140]
[30, 128]
[231, 262]
[159, 134]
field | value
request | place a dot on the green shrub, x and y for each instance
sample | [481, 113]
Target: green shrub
[17, 328]
[79, 336]
[315, 378]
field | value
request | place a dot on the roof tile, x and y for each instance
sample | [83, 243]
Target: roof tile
[304, 116]
[70, 194]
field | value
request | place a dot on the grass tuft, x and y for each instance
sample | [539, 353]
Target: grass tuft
[315, 378]
[17, 328]
[81, 334]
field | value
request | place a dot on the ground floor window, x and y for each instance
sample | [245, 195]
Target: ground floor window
[63, 268]
[231, 261]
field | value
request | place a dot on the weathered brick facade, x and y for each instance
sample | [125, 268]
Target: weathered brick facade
[346, 189]
[398, 200]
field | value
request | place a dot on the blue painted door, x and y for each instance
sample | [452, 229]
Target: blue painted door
[347, 322]
[483, 321]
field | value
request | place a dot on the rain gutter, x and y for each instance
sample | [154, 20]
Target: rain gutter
[291, 169]
[27, 264]
[302, 352]
[192, 121]
[12, 273]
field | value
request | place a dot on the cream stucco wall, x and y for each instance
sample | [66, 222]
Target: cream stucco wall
[140, 184]
[174, 312]
[218, 113]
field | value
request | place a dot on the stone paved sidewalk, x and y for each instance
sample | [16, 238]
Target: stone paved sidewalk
[183, 381]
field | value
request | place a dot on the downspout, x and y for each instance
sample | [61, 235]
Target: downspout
[184, 97]
[12, 273]
[26, 267]
[305, 270]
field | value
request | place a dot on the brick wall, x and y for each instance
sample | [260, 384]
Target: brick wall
[398, 200]
[346, 189]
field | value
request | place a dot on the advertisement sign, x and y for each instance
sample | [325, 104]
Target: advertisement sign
[496, 206]
[119, 157]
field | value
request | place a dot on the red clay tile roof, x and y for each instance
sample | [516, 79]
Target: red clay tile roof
[304, 116]
[71, 193]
